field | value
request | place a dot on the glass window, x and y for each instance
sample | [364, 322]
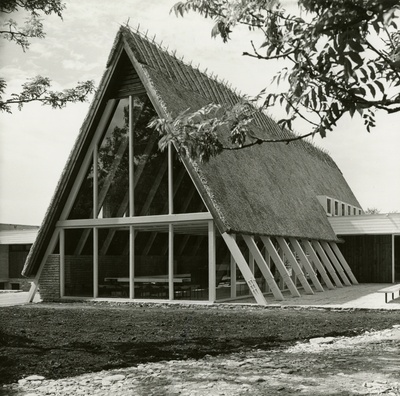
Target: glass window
[348, 210]
[113, 165]
[186, 196]
[354, 211]
[343, 210]
[150, 168]
[79, 262]
[336, 208]
[113, 262]
[151, 265]
[328, 206]
[83, 205]
[190, 264]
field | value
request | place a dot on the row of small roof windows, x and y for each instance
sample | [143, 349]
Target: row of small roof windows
[334, 207]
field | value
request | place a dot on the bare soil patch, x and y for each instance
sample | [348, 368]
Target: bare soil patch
[65, 340]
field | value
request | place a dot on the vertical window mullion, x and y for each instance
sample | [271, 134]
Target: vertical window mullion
[131, 262]
[62, 262]
[95, 262]
[131, 163]
[95, 181]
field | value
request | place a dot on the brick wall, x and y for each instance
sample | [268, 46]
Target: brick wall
[49, 282]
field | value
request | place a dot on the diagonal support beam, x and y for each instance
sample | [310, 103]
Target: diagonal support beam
[335, 262]
[255, 251]
[295, 265]
[280, 266]
[325, 260]
[306, 264]
[344, 263]
[314, 258]
[244, 268]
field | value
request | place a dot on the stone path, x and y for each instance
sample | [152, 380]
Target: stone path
[362, 365]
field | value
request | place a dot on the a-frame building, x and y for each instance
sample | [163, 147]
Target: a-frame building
[129, 221]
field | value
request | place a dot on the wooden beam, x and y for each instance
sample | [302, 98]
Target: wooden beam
[137, 220]
[263, 267]
[62, 263]
[233, 272]
[318, 265]
[244, 268]
[212, 282]
[171, 261]
[280, 266]
[95, 262]
[295, 265]
[131, 262]
[326, 263]
[335, 262]
[344, 263]
[306, 264]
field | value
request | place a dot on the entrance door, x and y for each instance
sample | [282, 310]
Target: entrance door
[397, 258]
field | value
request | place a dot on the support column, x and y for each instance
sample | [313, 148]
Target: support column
[212, 267]
[131, 263]
[295, 265]
[244, 268]
[233, 274]
[306, 264]
[263, 267]
[327, 263]
[131, 160]
[280, 266]
[314, 258]
[335, 262]
[62, 263]
[344, 263]
[171, 261]
[95, 262]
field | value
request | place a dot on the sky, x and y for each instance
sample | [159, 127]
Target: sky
[36, 141]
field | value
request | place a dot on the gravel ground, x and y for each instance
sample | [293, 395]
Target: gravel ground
[130, 349]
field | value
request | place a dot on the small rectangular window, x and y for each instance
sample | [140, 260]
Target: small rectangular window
[343, 210]
[336, 208]
[348, 210]
[359, 211]
[354, 211]
[328, 206]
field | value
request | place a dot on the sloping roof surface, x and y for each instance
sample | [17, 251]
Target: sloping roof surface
[270, 189]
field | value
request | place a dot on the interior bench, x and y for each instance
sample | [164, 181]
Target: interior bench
[390, 290]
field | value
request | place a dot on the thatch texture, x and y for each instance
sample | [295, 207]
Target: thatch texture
[268, 190]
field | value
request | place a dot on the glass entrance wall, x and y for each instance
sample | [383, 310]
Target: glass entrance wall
[78, 262]
[128, 179]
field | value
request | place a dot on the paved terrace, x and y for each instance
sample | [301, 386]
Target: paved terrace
[363, 296]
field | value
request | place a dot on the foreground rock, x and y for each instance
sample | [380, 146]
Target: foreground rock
[362, 365]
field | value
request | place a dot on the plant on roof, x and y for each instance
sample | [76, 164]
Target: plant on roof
[339, 57]
[36, 89]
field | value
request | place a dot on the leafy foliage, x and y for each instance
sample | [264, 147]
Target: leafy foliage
[37, 89]
[340, 57]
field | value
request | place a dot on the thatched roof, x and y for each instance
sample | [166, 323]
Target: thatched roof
[269, 189]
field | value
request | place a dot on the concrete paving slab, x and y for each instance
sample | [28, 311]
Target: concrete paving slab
[347, 297]
[16, 298]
